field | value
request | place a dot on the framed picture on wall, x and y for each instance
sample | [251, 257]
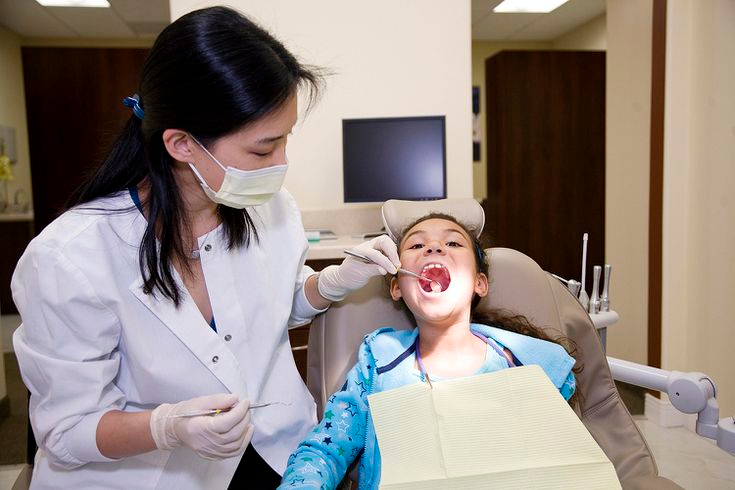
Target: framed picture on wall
[476, 124]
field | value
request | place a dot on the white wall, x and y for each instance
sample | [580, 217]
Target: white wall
[87, 42]
[627, 165]
[410, 57]
[699, 207]
[591, 36]
[13, 109]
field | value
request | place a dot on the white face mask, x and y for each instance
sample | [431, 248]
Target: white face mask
[242, 188]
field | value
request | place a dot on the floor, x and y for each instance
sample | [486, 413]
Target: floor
[8, 474]
[692, 462]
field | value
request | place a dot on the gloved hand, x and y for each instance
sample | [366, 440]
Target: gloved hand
[211, 436]
[337, 281]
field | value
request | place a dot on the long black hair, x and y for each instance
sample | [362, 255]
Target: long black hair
[211, 72]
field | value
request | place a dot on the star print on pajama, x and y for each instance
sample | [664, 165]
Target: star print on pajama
[336, 442]
[346, 432]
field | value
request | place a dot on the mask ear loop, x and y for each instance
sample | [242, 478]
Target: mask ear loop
[199, 176]
[208, 153]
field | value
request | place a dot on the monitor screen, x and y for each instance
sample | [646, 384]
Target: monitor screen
[394, 158]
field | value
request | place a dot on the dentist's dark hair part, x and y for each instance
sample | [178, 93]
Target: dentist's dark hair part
[211, 73]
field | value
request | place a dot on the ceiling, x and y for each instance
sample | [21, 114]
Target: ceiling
[489, 26]
[138, 19]
[126, 19]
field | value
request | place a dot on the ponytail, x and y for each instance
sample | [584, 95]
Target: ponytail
[121, 168]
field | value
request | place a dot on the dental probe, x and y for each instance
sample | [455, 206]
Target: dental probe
[217, 411]
[368, 260]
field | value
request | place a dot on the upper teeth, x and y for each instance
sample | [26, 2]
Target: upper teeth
[432, 266]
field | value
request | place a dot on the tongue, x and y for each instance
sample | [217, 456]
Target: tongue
[430, 286]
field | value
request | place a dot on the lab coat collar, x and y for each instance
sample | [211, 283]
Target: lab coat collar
[188, 324]
[186, 321]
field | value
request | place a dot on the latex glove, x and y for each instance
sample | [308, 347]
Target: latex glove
[337, 281]
[211, 436]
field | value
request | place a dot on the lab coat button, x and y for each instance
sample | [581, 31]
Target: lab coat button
[207, 247]
[215, 359]
[228, 337]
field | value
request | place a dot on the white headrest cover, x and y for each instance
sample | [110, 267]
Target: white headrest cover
[397, 215]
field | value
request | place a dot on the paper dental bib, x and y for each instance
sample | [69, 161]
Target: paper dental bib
[506, 429]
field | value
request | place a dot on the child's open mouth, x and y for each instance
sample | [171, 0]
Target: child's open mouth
[437, 276]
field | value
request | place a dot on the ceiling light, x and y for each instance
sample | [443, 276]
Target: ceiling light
[74, 3]
[527, 6]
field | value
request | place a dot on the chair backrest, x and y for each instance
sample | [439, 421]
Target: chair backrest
[517, 284]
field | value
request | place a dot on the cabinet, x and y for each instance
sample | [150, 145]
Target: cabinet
[67, 143]
[546, 156]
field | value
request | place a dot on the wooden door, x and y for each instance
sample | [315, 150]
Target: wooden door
[546, 156]
[74, 106]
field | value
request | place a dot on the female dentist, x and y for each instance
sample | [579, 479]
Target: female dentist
[167, 288]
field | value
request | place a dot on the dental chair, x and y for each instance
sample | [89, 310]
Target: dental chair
[518, 284]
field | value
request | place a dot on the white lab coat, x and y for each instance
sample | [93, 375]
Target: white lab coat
[91, 341]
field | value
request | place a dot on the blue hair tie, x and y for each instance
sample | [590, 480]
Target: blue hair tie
[134, 102]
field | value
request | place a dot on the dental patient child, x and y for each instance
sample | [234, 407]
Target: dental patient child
[447, 343]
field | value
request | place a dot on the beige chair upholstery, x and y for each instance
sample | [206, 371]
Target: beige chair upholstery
[397, 214]
[518, 284]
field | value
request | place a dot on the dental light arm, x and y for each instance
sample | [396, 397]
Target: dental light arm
[689, 393]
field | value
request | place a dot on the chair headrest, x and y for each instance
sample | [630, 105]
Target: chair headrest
[398, 214]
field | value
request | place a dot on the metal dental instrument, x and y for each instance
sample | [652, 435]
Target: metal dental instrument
[605, 300]
[583, 298]
[217, 411]
[368, 260]
[572, 285]
[595, 299]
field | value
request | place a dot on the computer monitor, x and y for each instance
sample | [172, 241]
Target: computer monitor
[394, 158]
